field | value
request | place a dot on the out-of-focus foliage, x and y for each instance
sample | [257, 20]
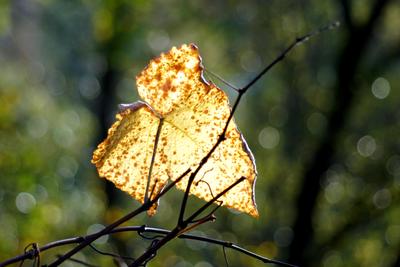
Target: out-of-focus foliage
[56, 57]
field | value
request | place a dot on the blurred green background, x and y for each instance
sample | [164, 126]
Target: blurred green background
[324, 125]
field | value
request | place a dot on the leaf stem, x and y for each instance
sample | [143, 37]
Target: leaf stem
[153, 157]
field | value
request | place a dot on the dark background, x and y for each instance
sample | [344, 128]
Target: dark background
[324, 125]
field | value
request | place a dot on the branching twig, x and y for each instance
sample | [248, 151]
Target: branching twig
[180, 228]
[222, 243]
[110, 227]
[160, 233]
[110, 254]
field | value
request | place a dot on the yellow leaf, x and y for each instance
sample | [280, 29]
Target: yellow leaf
[194, 113]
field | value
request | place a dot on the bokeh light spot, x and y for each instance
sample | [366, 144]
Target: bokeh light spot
[382, 198]
[37, 127]
[64, 136]
[25, 202]
[67, 166]
[71, 118]
[393, 165]
[158, 40]
[366, 146]
[89, 87]
[334, 192]
[269, 137]
[380, 88]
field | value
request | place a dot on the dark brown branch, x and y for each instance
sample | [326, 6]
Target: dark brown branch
[223, 243]
[103, 232]
[180, 228]
[110, 227]
[213, 200]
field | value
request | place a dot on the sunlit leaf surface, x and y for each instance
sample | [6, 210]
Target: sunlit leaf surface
[194, 114]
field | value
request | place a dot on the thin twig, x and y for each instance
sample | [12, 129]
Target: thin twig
[221, 79]
[145, 206]
[153, 157]
[180, 228]
[225, 257]
[102, 232]
[296, 42]
[209, 203]
[210, 213]
[191, 179]
[159, 232]
[209, 218]
[110, 254]
[153, 188]
[223, 243]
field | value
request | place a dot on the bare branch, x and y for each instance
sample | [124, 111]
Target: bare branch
[213, 200]
[180, 228]
[88, 240]
[110, 254]
[160, 233]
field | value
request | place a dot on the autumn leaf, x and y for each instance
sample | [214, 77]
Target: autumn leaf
[185, 114]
